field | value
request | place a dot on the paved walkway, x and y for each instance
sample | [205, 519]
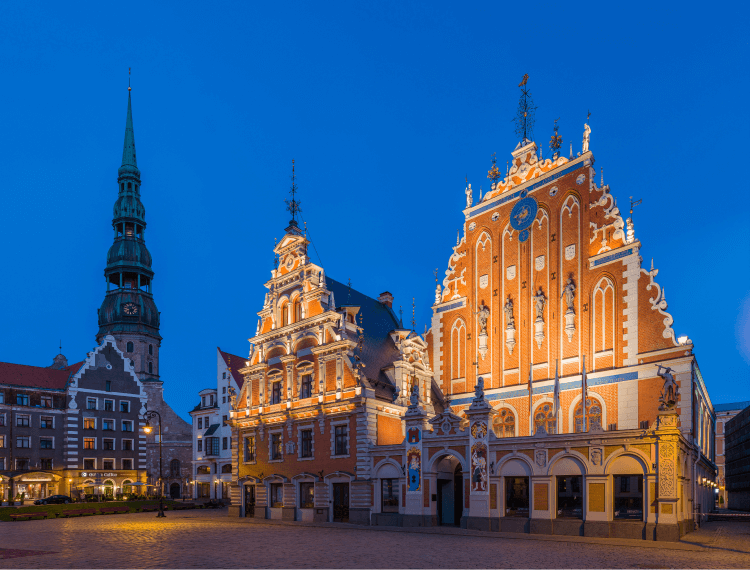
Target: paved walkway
[209, 539]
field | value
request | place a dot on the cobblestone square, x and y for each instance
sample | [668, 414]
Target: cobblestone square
[210, 539]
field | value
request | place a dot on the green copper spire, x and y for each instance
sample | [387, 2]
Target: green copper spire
[129, 163]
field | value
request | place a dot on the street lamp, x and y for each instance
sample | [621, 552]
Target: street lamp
[149, 415]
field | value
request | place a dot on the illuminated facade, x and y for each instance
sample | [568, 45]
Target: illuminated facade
[544, 288]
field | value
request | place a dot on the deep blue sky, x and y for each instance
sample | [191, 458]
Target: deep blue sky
[385, 107]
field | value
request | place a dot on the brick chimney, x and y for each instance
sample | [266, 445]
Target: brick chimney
[387, 299]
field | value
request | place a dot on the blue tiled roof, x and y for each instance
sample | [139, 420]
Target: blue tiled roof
[731, 406]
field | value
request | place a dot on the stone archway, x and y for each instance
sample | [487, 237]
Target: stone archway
[174, 491]
[450, 491]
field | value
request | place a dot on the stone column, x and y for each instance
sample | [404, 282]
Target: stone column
[415, 421]
[542, 504]
[668, 435]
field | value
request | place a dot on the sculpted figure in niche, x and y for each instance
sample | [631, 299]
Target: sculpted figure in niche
[469, 198]
[540, 300]
[508, 308]
[484, 313]
[670, 390]
[569, 292]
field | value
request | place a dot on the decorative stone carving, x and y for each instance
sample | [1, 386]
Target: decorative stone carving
[483, 314]
[670, 391]
[553, 191]
[510, 272]
[479, 389]
[414, 398]
[659, 303]
[472, 226]
[495, 216]
[541, 457]
[596, 456]
[469, 199]
[539, 263]
[580, 179]
[570, 252]
[540, 300]
[484, 280]
[631, 231]
[510, 326]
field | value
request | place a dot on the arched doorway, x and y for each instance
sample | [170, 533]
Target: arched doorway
[450, 484]
[174, 490]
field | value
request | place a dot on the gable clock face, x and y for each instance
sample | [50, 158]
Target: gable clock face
[130, 309]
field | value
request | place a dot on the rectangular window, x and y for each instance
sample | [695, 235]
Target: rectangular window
[341, 443]
[517, 497]
[306, 443]
[46, 401]
[2, 397]
[200, 445]
[108, 425]
[89, 423]
[249, 449]
[108, 464]
[108, 387]
[225, 443]
[89, 463]
[22, 421]
[125, 407]
[276, 451]
[277, 495]
[90, 403]
[306, 495]
[276, 393]
[46, 464]
[224, 389]
[569, 497]
[45, 443]
[200, 423]
[2, 463]
[22, 399]
[389, 496]
[89, 443]
[223, 399]
[2, 441]
[127, 444]
[46, 422]
[24, 442]
[22, 464]
[224, 375]
[127, 426]
[109, 405]
[306, 387]
[2, 420]
[127, 464]
[108, 444]
[212, 446]
[628, 497]
[224, 420]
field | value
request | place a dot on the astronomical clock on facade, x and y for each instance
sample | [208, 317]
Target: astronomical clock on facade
[549, 395]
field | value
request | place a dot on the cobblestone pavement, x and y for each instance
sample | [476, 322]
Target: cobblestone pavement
[209, 539]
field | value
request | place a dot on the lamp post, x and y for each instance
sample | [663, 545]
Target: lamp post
[149, 415]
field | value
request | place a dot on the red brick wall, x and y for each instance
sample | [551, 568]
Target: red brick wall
[389, 430]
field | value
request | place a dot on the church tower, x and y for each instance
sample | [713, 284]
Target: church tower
[128, 311]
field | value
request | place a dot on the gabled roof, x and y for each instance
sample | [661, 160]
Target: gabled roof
[378, 320]
[731, 406]
[36, 376]
[235, 364]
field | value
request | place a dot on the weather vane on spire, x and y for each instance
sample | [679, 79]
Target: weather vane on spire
[293, 206]
[494, 173]
[413, 316]
[524, 119]
[555, 142]
[129, 78]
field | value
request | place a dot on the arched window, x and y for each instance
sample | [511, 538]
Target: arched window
[174, 467]
[458, 347]
[505, 423]
[150, 367]
[297, 311]
[593, 415]
[545, 417]
[285, 314]
[151, 349]
[129, 347]
[126, 487]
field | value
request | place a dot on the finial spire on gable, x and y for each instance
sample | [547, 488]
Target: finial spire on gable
[128, 147]
[525, 113]
[293, 206]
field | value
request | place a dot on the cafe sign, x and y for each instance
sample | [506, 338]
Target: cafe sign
[97, 474]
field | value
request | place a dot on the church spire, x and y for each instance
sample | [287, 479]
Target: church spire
[129, 163]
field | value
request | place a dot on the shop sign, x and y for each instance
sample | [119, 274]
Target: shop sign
[97, 474]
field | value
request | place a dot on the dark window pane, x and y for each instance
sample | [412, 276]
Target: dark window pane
[389, 496]
[628, 497]
[517, 497]
[569, 497]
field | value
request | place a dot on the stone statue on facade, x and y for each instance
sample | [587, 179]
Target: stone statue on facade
[586, 137]
[414, 398]
[670, 391]
[569, 292]
[469, 198]
[232, 398]
[508, 309]
[484, 314]
[540, 300]
[438, 294]
[479, 389]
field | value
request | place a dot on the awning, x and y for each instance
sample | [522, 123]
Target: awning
[211, 430]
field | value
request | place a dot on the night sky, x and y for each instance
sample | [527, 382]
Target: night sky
[385, 107]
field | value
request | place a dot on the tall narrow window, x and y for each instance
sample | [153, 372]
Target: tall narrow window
[297, 311]
[341, 447]
[151, 349]
[306, 386]
[129, 347]
[276, 393]
[276, 451]
[285, 315]
[306, 443]
[249, 449]
[458, 347]
[150, 367]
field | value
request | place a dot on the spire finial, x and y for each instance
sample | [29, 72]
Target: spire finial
[555, 142]
[275, 255]
[293, 206]
[525, 113]
[129, 79]
[436, 273]
[60, 346]
[413, 316]
[401, 315]
[128, 147]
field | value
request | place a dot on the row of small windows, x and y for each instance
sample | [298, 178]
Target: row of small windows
[108, 444]
[340, 444]
[24, 442]
[206, 469]
[25, 400]
[296, 314]
[109, 406]
[305, 390]
[23, 420]
[544, 418]
[129, 348]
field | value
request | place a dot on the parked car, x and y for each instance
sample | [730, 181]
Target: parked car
[54, 500]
